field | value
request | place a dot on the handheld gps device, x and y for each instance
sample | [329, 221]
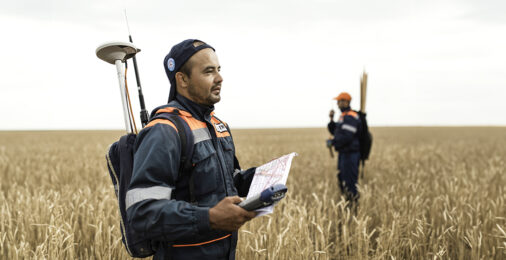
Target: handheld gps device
[265, 198]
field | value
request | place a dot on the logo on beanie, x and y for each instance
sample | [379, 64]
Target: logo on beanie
[171, 64]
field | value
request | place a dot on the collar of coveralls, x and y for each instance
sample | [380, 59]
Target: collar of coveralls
[345, 109]
[199, 112]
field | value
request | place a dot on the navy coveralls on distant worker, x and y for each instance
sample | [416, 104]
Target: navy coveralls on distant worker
[158, 196]
[346, 141]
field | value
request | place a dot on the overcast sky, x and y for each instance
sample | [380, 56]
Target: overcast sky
[429, 62]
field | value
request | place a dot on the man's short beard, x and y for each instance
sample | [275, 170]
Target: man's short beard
[208, 100]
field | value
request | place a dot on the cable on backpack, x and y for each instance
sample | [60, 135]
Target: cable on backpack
[131, 114]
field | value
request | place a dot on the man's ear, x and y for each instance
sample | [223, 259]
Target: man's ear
[182, 79]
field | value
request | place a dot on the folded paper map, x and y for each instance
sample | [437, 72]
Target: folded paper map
[273, 172]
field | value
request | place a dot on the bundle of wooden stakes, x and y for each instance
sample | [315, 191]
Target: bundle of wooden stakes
[363, 91]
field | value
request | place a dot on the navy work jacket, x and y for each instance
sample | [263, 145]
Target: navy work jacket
[346, 132]
[158, 196]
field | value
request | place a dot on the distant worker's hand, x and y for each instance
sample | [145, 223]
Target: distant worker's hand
[329, 143]
[228, 216]
[331, 115]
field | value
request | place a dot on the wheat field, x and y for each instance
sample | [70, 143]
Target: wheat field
[427, 193]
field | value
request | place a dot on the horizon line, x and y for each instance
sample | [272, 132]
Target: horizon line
[261, 128]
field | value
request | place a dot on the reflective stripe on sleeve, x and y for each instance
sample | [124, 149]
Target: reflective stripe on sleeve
[201, 134]
[349, 128]
[139, 194]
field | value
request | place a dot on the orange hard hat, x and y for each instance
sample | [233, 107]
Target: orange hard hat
[343, 96]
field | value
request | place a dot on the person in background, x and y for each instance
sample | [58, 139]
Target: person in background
[346, 141]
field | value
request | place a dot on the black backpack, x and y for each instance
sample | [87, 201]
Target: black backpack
[364, 137]
[120, 160]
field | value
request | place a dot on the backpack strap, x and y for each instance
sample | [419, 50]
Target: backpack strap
[186, 137]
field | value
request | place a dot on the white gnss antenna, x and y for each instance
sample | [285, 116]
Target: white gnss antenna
[117, 53]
